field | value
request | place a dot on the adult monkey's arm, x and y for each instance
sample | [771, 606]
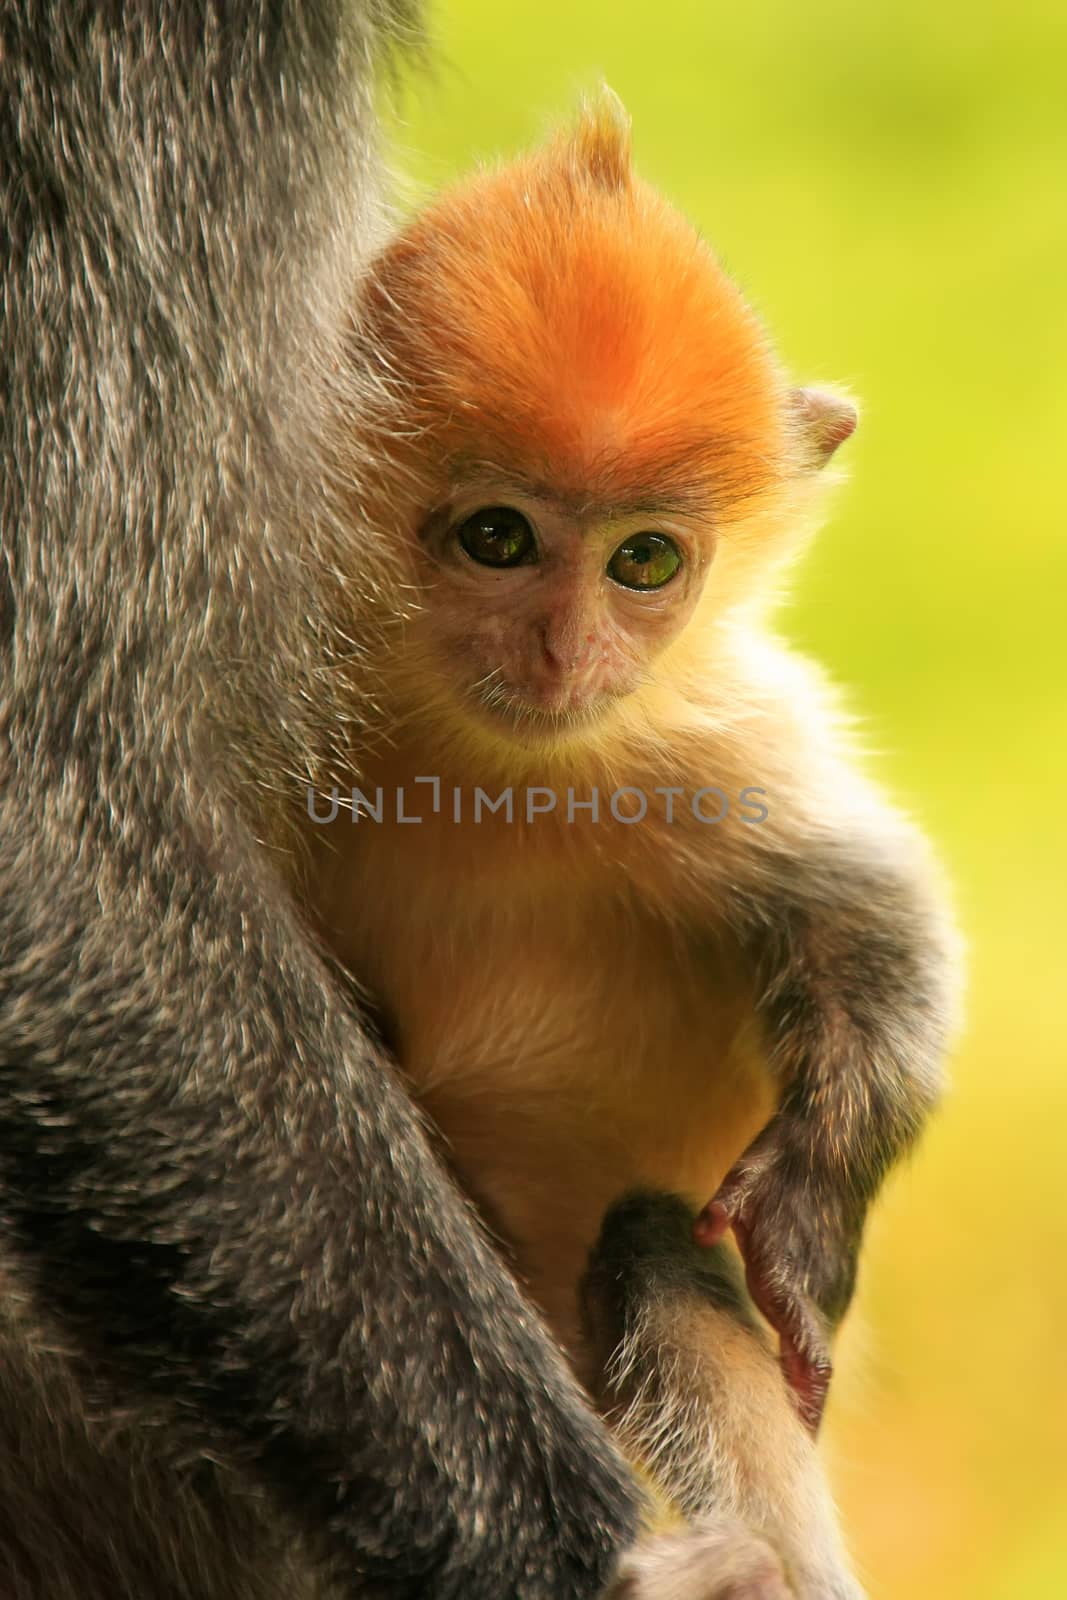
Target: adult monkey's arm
[208, 1174]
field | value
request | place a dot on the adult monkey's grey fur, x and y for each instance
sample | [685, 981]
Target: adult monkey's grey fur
[226, 1238]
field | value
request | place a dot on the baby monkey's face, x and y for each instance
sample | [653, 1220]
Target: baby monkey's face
[542, 612]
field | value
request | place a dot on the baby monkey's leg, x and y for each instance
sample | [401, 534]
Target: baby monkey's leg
[695, 1394]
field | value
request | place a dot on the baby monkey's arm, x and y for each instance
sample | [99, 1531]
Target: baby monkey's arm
[855, 963]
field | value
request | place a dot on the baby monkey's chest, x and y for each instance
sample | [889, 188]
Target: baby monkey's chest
[567, 1044]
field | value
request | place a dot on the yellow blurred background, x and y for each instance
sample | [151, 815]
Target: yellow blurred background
[888, 183]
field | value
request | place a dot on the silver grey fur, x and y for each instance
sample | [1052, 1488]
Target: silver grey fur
[242, 1298]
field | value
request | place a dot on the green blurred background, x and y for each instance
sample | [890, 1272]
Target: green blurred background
[889, 185]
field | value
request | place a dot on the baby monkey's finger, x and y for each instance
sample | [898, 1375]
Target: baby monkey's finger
[808, 1370]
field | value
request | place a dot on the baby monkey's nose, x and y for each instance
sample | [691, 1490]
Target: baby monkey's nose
[565, 646]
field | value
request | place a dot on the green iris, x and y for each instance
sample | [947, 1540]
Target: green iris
[497, 536]
[647, 561]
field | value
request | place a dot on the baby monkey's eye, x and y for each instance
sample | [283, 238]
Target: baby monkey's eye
[647, 561]
[497, 536]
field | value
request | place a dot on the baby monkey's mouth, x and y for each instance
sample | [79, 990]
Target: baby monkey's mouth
[549, 716]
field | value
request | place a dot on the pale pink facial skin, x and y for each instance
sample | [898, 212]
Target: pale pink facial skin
[557, 637]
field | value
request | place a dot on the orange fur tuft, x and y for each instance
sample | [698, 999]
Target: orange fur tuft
[600, 144]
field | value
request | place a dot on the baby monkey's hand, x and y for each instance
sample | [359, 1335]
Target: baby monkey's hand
[799, 1234]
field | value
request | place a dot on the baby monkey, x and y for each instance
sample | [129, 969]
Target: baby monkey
[632, 919]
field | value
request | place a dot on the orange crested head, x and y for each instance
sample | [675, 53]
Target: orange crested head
[558, 322]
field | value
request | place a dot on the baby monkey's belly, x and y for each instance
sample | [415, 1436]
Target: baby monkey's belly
[562, 1072]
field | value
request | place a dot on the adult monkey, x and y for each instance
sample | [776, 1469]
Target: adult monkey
[217, 1203]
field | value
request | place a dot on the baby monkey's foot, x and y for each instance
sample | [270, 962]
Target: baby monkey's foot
[799, 1240]
[719, 1560]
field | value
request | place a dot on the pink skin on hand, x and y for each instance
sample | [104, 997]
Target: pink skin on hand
[808, 1378]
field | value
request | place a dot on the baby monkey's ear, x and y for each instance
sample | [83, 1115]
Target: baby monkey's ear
[824, 420]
